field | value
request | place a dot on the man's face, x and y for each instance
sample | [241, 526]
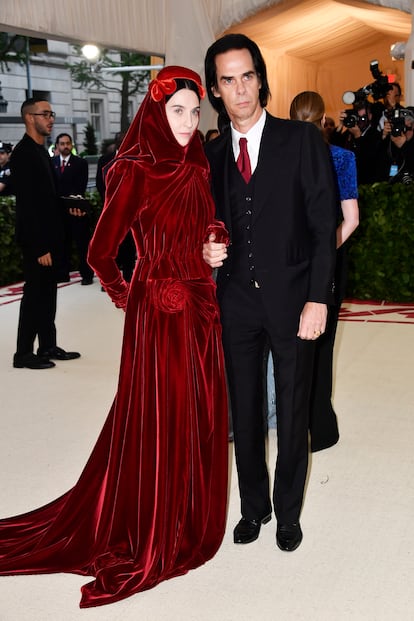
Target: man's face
[41, 118]
[392, 97]
[64, 146]
[238, 85]
[4, 158]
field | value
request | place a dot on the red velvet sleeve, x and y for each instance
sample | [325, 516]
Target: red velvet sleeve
[124, 194]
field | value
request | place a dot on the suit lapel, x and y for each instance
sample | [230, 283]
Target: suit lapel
[267, 166]
[223, 158]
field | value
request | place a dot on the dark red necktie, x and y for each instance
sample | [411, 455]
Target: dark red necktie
[243, 161]
[62, 166]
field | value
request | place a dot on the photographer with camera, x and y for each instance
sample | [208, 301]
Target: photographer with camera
[357, 133]
[395, 159]
[391, 102]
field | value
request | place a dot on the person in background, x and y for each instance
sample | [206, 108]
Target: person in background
[323, 425]
[363, 139]
[126, 256]
[151, 502]
[211, 134]
[71, 174]
[395, 156]
[5, 174]
[391, 102]
[329, 128]
[273, 186]
[40, 233]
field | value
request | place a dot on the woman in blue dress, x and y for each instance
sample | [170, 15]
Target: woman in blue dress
[323, 425]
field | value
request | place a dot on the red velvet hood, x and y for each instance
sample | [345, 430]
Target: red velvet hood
[150, 137]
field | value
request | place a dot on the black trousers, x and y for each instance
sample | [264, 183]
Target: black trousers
[323, 422]
[246, 332]
[37, 307]
[77, 229]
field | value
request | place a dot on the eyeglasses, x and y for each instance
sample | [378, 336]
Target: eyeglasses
[47, 114]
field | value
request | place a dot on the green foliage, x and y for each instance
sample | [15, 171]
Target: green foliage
[89, 142]
[381, 250]
[10, 254]
[96, 203]
[89, 75]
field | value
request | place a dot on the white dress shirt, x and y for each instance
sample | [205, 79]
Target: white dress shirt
[253, 136]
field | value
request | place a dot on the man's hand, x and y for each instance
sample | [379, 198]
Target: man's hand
[45, 260]
[214, 254]
[312, 322]
[74, 211]
[355, 131]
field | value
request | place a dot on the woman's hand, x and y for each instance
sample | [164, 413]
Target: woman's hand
[214, 254]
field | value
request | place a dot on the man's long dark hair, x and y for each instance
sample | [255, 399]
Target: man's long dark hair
[225, 44]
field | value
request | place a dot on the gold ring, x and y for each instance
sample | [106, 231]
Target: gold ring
[317, 333]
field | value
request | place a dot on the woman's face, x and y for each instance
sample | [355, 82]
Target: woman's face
[183, 114]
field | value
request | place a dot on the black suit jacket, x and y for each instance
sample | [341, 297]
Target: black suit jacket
[101, 173]
[39, 217]
[294, 217]
[74, 178]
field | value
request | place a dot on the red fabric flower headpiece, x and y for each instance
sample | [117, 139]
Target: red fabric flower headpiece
[165, 84]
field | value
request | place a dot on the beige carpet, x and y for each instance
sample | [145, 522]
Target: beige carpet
[356, 562]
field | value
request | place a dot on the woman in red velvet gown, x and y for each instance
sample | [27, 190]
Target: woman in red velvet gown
[151, 501]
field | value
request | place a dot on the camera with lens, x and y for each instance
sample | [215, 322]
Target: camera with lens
[353, 118]
[378, 89]
[397, 119]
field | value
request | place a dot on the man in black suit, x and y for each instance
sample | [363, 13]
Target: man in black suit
[71, 173]
[39, 231]
[276, 281]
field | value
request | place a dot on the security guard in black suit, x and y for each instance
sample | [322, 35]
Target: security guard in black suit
[71, 174]
[39, 232]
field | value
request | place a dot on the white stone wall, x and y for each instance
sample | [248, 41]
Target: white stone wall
[70, 102]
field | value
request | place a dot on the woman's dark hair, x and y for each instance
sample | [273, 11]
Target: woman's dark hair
[308, 106]
[225, 44]
[181, 83]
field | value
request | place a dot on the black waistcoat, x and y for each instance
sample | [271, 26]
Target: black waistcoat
[242, 206]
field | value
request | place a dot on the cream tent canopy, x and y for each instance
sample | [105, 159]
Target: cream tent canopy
[325, 45]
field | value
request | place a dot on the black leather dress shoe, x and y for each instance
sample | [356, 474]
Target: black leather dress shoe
[289, 536]
[86, 281]
[31, 361]
[247, 531]
[57, 353]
